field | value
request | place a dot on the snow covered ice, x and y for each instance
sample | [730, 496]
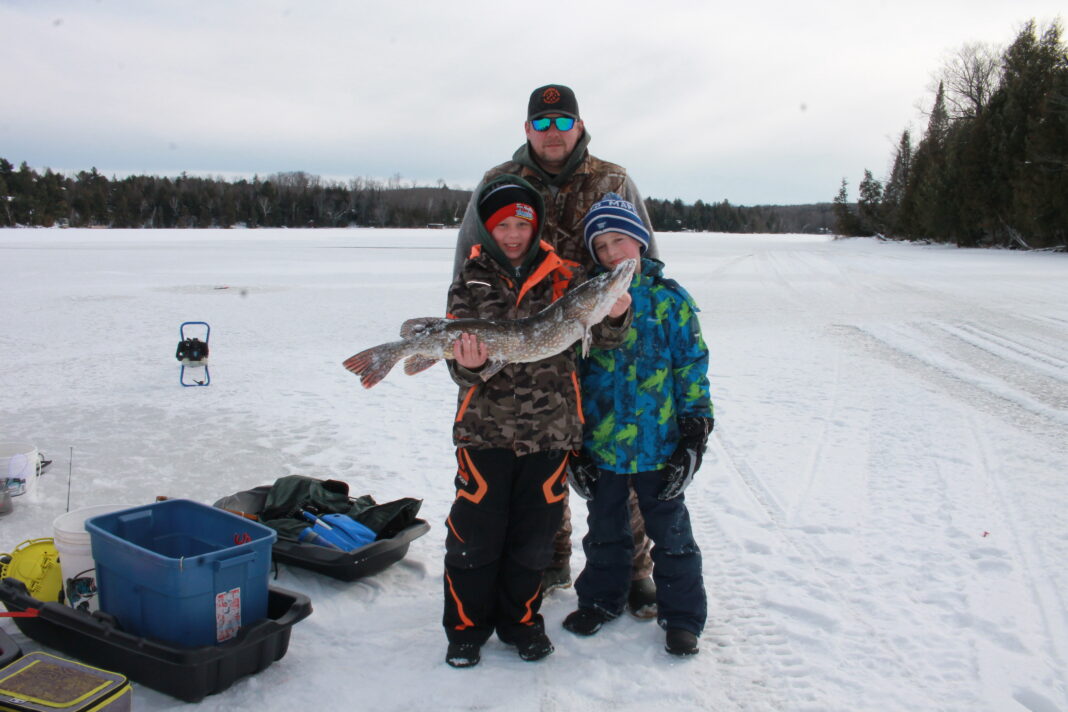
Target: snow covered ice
[883, 509]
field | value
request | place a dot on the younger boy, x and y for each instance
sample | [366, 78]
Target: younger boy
[513, 432]
[648, 415]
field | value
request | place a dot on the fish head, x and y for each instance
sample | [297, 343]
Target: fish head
[620, 278]
[592, 300]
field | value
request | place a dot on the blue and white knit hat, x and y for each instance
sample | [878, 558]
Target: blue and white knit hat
[614, 214]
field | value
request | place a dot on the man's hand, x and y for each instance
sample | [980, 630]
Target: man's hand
[470, 352]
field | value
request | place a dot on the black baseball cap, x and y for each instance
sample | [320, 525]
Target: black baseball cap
[552, 99]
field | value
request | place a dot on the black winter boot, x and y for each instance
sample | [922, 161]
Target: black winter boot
[535, 647]
[532, 646]
[641, 599]
[586, 621]
[463, 655]
[681, 642]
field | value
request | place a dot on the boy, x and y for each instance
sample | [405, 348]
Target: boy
[513, 432]
[648, 415]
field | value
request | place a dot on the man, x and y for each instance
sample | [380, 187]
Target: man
[556, 162]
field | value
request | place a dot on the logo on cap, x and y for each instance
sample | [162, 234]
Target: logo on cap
[550, 95]
[522, 210]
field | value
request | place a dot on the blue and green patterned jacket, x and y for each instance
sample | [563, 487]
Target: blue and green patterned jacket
[633, 395]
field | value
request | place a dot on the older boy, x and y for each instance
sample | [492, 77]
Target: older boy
[513, 432]
[648, 415]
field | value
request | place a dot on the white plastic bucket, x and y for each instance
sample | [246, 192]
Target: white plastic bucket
[76, 555]
[19, 468]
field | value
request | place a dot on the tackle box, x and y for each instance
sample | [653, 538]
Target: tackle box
[39, 682]
[189, 673]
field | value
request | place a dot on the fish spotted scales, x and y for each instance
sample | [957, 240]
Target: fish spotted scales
[427, 340]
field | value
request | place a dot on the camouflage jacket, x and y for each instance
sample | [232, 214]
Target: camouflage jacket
[568, 197]
[526, 407]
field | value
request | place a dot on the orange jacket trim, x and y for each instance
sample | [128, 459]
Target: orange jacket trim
[560, 269]
[466, 402]
[578, 396]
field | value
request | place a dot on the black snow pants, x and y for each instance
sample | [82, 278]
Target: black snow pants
[499, 540]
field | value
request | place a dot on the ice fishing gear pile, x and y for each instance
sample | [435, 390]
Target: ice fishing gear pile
[208, 614]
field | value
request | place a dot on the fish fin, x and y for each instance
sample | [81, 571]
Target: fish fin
[373, 364]
[417, 364]
[587, 336]
[413, 327]
[491, 369]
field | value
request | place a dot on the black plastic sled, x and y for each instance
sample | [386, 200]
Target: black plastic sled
[189, 674]
[367, 560]
[192, 353]
[9, 649]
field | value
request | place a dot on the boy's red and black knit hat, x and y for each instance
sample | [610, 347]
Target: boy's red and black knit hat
[507, 200]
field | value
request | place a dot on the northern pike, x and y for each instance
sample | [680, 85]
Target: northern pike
[425, 341]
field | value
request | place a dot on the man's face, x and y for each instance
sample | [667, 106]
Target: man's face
[553, 146]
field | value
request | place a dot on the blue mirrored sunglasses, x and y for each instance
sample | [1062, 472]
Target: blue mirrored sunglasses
[563, 123]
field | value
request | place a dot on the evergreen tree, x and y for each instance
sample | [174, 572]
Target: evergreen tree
[870, 205]
[845, 222]
[894, 191]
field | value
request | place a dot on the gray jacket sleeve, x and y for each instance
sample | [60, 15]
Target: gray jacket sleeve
[631, 193]
[468, 235]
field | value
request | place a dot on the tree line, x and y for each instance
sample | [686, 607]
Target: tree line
[991, 169]
[294, 199]
[297, 199]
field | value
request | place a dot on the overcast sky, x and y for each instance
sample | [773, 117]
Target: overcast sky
[752, 101]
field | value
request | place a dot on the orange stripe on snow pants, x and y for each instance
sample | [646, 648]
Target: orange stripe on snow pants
[467, 468]
[547, 487]
[465, 621]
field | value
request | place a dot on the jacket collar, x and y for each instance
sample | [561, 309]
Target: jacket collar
[548, 264]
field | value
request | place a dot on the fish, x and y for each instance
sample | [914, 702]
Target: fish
[426, 340]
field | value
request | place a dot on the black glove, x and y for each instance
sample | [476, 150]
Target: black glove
[582, 473]
[686, 459]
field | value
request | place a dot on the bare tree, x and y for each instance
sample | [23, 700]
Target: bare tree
[970, 75]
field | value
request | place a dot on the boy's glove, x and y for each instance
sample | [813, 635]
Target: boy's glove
[582, 473]
[686, 459]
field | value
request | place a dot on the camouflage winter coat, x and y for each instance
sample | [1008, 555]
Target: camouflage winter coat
[634, 395]
[526, 407]
[568, 197]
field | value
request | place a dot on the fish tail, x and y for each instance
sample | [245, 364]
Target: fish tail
[373, 364]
